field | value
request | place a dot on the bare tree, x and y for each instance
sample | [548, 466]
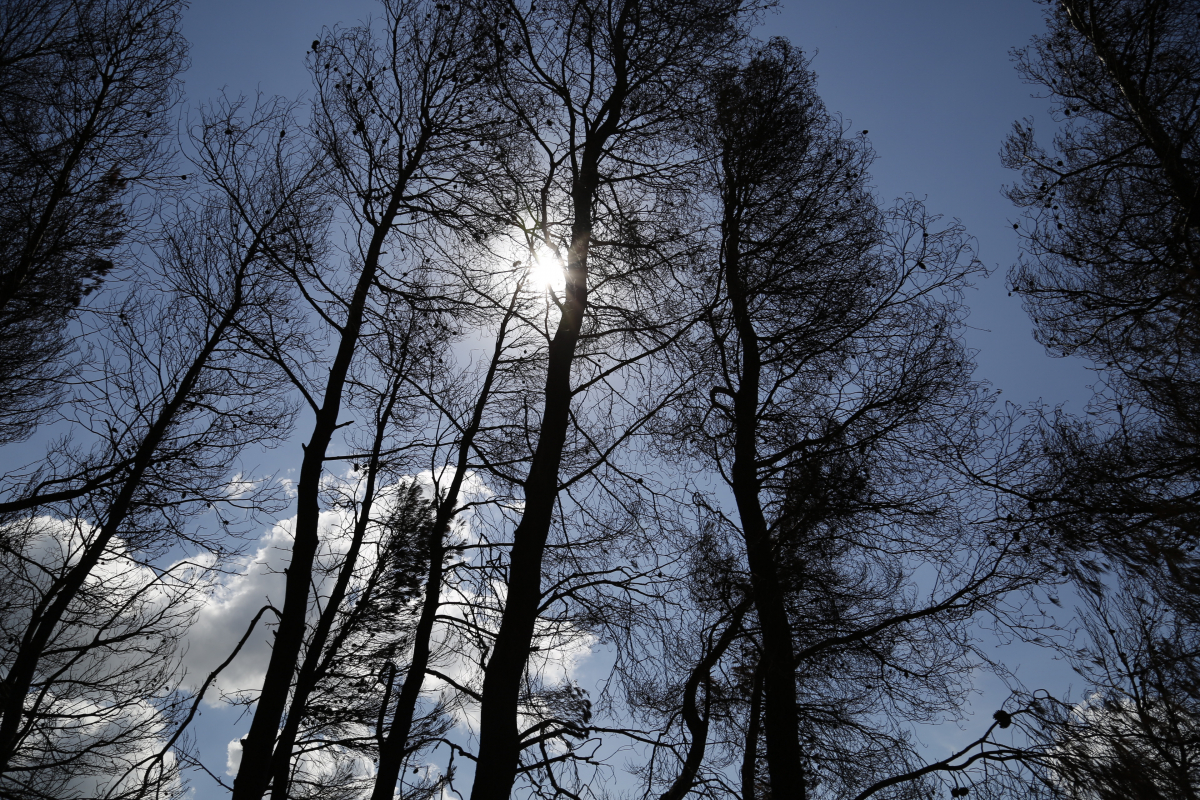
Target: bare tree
[702, 695]
[595, 260]
[104, 695]
[395, 117]
[1111, 252]
[86, 89]
[333, 633]
[602, 89]
[1133, 731]
[834, 400]
[174, 402]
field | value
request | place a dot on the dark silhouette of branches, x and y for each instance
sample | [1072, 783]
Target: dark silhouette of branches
[834, 400]
[393, 120]
[1109, 273]
[86, 87]
[604, 91]
[605, 346]
[174, 402]
[1132, 732]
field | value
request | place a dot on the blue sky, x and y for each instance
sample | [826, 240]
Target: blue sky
[931, 80]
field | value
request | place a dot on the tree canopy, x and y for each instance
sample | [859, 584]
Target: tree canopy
[636, 447]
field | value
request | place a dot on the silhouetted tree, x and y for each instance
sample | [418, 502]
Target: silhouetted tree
[723, 422]
[395, 119]
[1133, 732]
[1110, 271]
[699, 686]
[604, 90]
[835, 401]
[172, 403]
[104, 693]
[86, 89]
[337, 656]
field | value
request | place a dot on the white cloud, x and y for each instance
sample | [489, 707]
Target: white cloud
[115, 769]
[233, 757]
[258, 578]
[332, 765]
[220, 605]
[100, 704]
[239, 487]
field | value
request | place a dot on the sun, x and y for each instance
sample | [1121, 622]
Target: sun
[546, 272]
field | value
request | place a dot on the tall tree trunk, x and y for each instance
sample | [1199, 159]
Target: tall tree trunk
[750, 754]
[499, 747]
[499, 743]
[781, 721]
[254, 773]
[310, 670]
[394, 747]
[16, 684]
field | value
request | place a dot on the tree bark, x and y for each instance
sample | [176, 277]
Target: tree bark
[499, 746]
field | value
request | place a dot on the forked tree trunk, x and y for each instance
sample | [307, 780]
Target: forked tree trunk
[306, 680]
[697, 722]
[254, 773]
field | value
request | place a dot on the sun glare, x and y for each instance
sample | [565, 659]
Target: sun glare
[546, 272]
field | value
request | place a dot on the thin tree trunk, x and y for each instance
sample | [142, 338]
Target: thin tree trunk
[499, 747]
[21, 674]
[307, 679]
[696, 722]
[499, 744]
[394, 747]
[750, 754]
[255, 771]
